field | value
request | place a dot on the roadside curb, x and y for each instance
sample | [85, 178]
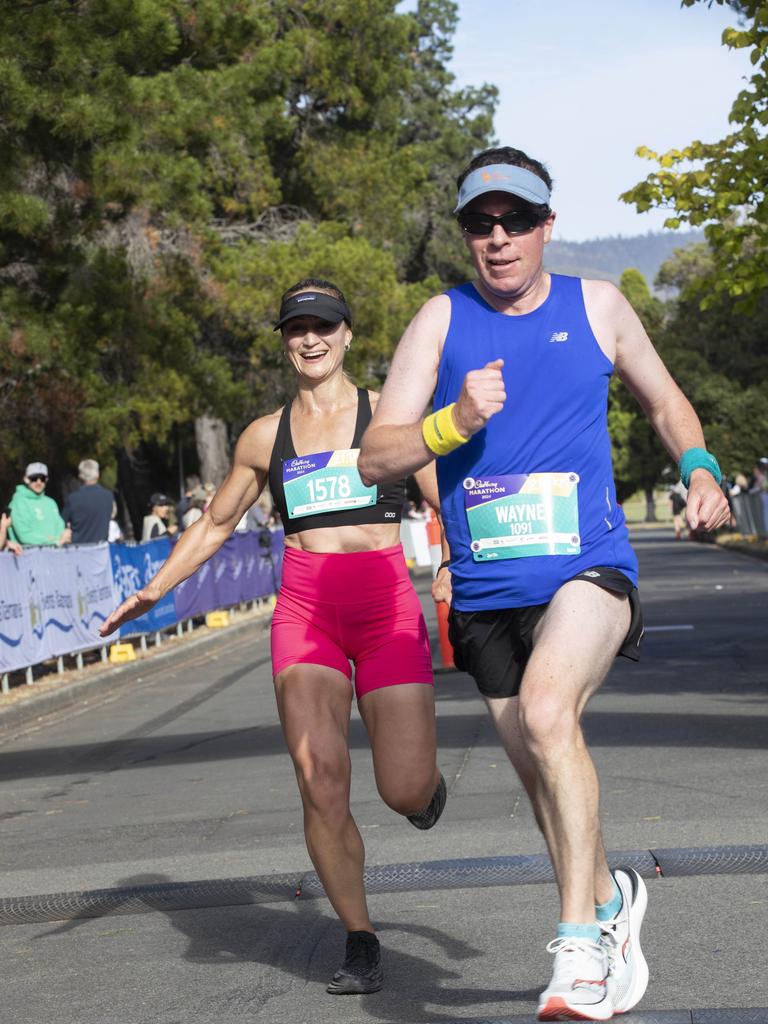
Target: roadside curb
[743, 547]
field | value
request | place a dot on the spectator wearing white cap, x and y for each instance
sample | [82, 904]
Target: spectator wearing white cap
[87, 511]
[35, 517]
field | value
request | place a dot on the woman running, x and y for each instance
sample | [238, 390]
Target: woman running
[345, 596]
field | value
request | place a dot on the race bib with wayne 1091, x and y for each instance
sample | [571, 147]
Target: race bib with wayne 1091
[523, 515]
[325, 482]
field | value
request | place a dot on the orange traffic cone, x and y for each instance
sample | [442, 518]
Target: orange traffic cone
[446, 648]
[434, 540]
[441, 608]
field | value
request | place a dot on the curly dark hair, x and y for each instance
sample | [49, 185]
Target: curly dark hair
[317, 284]
[506, 155]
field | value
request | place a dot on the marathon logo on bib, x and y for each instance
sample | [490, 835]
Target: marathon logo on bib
[325, 482]
[523, 515]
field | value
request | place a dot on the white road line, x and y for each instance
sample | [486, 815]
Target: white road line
[665, 629]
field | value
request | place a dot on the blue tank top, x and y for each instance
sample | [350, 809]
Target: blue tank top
[554, 421]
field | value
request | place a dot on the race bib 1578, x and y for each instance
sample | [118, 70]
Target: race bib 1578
[324, 482]
[523, 515]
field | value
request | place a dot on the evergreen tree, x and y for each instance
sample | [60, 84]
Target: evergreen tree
[168, 166]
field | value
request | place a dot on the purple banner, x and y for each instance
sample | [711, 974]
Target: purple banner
[246, 567]
[133, 566]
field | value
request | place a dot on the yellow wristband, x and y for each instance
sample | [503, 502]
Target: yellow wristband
[440, 433]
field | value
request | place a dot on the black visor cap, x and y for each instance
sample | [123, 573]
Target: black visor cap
[324, 307]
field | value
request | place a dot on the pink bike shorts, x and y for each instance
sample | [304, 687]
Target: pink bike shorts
[358, 607]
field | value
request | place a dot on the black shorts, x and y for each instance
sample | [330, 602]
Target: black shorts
[494, 646]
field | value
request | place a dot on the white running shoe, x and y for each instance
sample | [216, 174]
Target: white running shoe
[578, 989]
[627, 969]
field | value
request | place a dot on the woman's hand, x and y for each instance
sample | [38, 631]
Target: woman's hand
[132, 608]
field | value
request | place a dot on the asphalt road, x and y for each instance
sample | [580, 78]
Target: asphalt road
[182, 776]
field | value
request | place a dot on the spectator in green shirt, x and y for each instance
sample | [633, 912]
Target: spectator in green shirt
[35, 517]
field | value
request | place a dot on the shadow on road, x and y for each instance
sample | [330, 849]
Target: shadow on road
[300, 944]
[625, 728]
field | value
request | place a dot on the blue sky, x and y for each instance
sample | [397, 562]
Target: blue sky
[582, 83]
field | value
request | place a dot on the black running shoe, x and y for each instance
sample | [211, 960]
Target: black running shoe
[431, 813]
[361, 971]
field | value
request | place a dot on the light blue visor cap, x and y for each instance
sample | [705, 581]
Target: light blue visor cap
[503, 178]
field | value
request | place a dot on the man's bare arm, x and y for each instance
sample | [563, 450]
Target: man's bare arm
[393, 445]
[669, 412]
[426, 480]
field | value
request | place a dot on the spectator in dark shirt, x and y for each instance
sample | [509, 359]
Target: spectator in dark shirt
[88, 511]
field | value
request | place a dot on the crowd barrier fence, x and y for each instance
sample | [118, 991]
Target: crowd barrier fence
[53, 600]
[751, 512]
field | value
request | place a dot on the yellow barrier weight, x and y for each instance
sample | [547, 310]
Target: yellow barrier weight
[122, 652]
[217, 620]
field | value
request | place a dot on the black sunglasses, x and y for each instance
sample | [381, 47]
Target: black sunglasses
[37, 476]
[516, 222]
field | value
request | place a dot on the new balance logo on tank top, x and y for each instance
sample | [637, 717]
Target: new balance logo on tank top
[529, 502]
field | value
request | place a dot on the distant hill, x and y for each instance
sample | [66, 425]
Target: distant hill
[608, 258]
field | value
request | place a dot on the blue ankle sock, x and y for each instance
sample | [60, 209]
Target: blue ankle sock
[565, 930]
[605, 911]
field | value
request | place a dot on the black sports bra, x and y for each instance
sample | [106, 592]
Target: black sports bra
[387, 508]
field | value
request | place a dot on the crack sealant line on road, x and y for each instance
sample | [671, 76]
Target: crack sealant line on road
[418, 876]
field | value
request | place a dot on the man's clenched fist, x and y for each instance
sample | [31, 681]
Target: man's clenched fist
[482, 395]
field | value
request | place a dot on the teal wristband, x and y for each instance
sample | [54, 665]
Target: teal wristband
[698, 458]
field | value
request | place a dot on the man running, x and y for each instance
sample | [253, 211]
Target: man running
[544, 580]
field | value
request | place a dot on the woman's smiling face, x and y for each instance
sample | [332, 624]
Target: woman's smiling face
[314, 347]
